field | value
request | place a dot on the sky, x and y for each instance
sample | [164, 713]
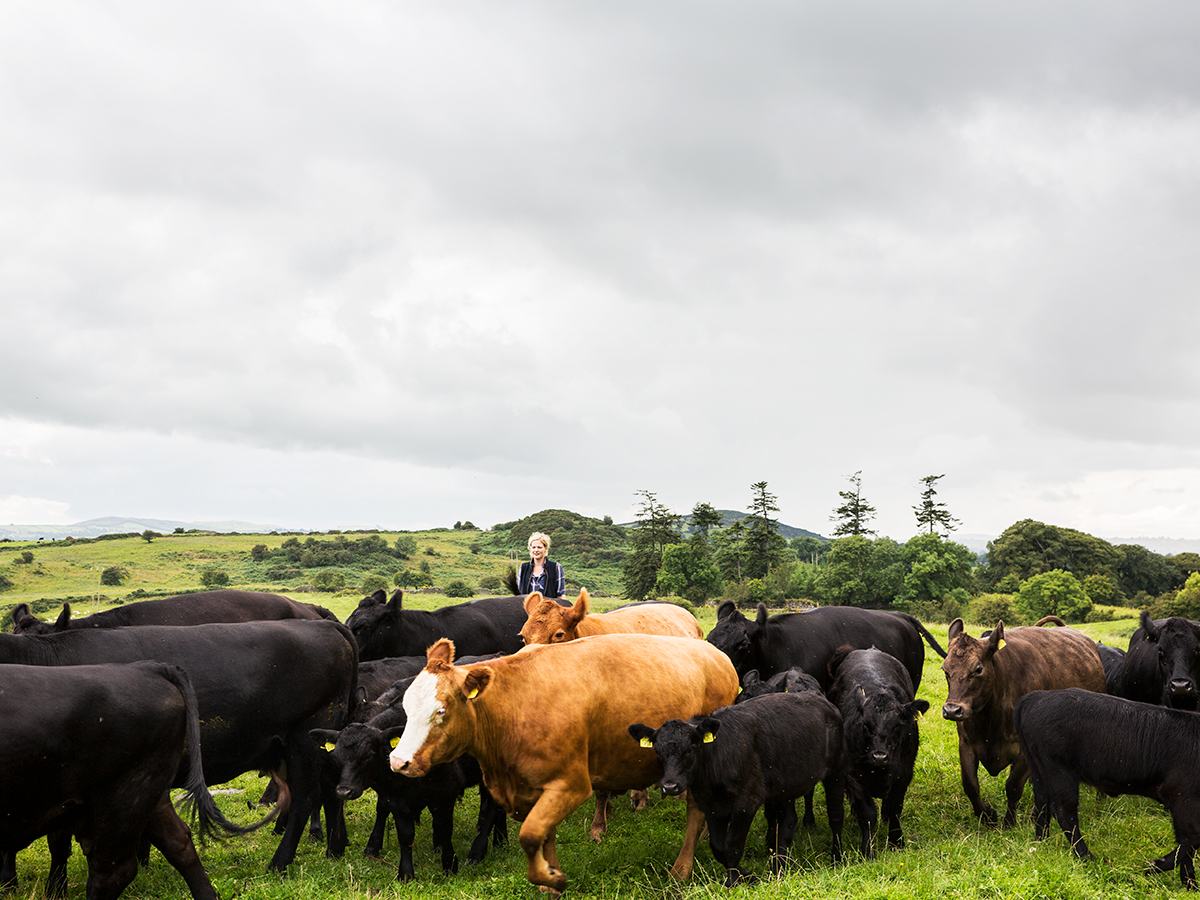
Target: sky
[399, 264]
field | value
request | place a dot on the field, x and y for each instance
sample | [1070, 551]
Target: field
[948, 853]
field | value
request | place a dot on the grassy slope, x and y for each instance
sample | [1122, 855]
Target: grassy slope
[948, 853]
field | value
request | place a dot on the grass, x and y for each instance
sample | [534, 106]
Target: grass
[949, 855]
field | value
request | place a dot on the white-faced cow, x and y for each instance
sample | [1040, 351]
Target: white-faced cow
[765, 753]
[549, 725]
[984, 679]
[879, 711]
[773, 644]
[261, 686]
[93, 751]
[1162, 664]
[1147, 750]
[200, 608]
[383, 627]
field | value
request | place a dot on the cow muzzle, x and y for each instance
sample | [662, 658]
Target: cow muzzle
[953, 711]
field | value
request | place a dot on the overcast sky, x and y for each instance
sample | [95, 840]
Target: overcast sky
[398, 264]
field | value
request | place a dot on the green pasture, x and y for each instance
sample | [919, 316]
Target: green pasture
[949, 855]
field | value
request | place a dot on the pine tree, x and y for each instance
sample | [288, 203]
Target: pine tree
[855, 514]
[655, 527]
[931, 514]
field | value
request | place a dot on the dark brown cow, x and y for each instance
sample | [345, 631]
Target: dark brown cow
[984, 680]
[550, 724]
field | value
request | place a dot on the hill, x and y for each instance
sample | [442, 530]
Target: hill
[91, 528]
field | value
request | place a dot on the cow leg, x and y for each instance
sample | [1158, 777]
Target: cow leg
[443, 834]
[891, 808]
[406, 833]
[639, 799]
[374, 846]
[682, 867]
[173, 838]
[781, 830]
[600, 820]
[735, 846]
[59, 842]
[810, 820]
[969, 767]
[492, 821]
[110, 872]
[8, 870]
[558, 800]
[1063, 800]
[868, 818]
[835, 790]
[1014, 787]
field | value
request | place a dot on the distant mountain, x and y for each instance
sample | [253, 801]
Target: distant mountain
[729, 516]
[123, 525]
[1165, 546]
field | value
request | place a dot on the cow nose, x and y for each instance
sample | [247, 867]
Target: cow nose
[1181, 686]
[952, 711]
[671, 788]
[879, 757]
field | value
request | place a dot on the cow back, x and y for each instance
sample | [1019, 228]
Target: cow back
[644, 618]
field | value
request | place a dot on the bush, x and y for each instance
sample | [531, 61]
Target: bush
[5, 582]
[373, 583]
[212, 576]
[492, 583]
[1056, 593]
[258, 552]
[24, 557]
[988, 609]
[113, 576]
[329, 581]
[459, 588]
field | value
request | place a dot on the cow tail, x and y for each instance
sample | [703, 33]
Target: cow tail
[205, 816]
[930, 639]
[510, 581]
[352, 699]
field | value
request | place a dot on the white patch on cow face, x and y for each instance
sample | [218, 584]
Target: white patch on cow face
[423, 709]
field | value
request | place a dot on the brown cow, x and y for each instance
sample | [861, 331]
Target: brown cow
[550, 622]
[551, 724]
[985, 678]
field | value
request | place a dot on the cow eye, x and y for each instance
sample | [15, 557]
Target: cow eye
[978, 670]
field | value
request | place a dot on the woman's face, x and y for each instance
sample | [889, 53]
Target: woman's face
[537, 551]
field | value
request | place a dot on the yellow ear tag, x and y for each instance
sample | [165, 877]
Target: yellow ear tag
[647, 743]
[394, 741]
[474, 693]
[329, 746]
[709, 737]
[1001, 644]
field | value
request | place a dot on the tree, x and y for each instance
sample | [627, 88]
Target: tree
[655, 527]
[113, 576]
[1144, 570]
[809, 549]
[405, 546]
[932, 515]
[688, 571]
[862, 572]
[764, 544]
[149, 535]
[935, 569]
[729, 549]
[1053, 593]
[1029, 548]
[704, 517]
[854, 515]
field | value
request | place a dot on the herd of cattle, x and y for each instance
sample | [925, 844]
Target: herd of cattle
[541, 705]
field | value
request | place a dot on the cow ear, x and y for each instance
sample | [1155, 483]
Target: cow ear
[916, 708]
[996, 639]
[476, 682]
[531, 602]
[1149, 627]
[442, 652]
[19, 612]
[956, 628]
[391, 736]
[643, 734]
[579, 609]
[761, 619]
[725, 610]
[397, 601]
[64, 617]
[751, 677]
[324, 738]
[707, 729]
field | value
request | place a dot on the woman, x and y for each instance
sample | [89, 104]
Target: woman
[541, 573]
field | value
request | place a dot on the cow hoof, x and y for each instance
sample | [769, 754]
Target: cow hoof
[373, 852]
[596, 833]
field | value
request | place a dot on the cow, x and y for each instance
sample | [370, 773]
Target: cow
[360, 753]
[1147, 750]
[93, 751]
[984, 680]
[383, 627]
[808, 639]
[549, 725]
[879, 709]
[1162, 664]
[549, 622]
[200, 608]
[1113, 660]
[765, 752]
[262, 686]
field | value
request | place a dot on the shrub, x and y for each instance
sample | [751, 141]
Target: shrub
[113, 576]
[329, 581]
[1055, 593]
[372, 583]
[213, 576]
[491, 583]
[5, 582]
[24, 557]
[988, 609]
[258, 552]
[459, 588]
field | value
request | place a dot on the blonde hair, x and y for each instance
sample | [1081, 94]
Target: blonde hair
[538, 536]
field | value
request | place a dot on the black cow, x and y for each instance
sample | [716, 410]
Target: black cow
[1150, 751]
[382, 682]
[200, 608]
[1162, 664]
[875, 696]
[262, 686]
[488, 625]
[765, 752]
[1113, 660]
[360, 753]
[93, 751]
[808, 639]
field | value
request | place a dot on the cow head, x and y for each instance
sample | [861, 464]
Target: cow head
[550, 622]
[678, 747]
[25, 622]
[969, 667]
[440, 705]
[373, 622]
[753, 686]
[879, 726]
[1178, 643]
[737, 637]
[356, 754]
